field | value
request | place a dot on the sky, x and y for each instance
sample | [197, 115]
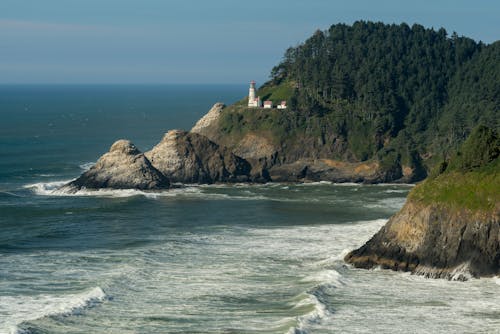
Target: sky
[194, 41]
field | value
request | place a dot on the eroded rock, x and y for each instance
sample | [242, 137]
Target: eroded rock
[189, 157]
[209, 119]
[123, 167]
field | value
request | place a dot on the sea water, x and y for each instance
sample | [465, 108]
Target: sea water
[238, 258]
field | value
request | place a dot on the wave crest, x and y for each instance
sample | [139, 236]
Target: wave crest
[29, 308]
[319, 312]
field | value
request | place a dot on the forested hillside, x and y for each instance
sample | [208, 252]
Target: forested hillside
[394, 77]
[404, 96]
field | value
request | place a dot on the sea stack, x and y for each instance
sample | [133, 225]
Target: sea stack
[188, 157]
[123, 167]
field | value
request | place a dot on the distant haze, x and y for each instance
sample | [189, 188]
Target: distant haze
[194, 41]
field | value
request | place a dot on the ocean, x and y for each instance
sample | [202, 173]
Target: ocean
[264, 258]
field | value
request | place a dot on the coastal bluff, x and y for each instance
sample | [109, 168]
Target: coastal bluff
[450, 225]
[299, 158]
[436, 242]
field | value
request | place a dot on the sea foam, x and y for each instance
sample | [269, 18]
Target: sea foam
[46, 188]
[329, 276]
[188, 191]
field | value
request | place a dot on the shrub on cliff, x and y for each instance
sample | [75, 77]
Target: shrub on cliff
[480, 149]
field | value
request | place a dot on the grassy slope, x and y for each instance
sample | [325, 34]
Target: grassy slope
[276, 93]
[477, 190]
[238, 120]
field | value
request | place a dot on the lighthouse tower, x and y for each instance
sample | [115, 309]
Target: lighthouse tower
[252, 100]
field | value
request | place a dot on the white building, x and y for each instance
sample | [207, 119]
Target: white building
[252, 100]
[256, 102]
[268, 104]
[282, 105]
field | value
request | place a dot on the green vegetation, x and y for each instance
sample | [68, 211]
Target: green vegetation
[474, 95]
[276, 93]
[372, 90]
[481, 148]
[280, 126]
[476, 191]
[238, 120]
[470, 180]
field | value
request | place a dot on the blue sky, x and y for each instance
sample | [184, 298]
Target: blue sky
[194, 41]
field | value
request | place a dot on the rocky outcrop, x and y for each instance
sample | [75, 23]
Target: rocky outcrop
[209, 119]
[123, 167]
[207, 155]
[435, 241]
[188, 157]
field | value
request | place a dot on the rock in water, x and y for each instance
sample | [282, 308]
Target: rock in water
[188, 157]
[123, 167]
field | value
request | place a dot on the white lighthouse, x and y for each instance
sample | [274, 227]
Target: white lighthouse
[252, 100]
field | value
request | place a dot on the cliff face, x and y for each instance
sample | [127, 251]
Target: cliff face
[124, 166]
[329, 170]
[436, 242]
[192, 158]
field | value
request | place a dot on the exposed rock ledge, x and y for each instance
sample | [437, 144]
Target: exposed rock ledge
[305, 170]
[124, 166]
[436, 242]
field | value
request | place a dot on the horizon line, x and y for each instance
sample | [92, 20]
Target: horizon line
[118, 83]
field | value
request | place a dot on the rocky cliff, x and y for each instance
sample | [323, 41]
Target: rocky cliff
[124, 166]
[450, 224]
[435, 241]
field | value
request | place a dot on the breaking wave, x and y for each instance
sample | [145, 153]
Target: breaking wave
[30, 308]
[315, 316]
[327, 280]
